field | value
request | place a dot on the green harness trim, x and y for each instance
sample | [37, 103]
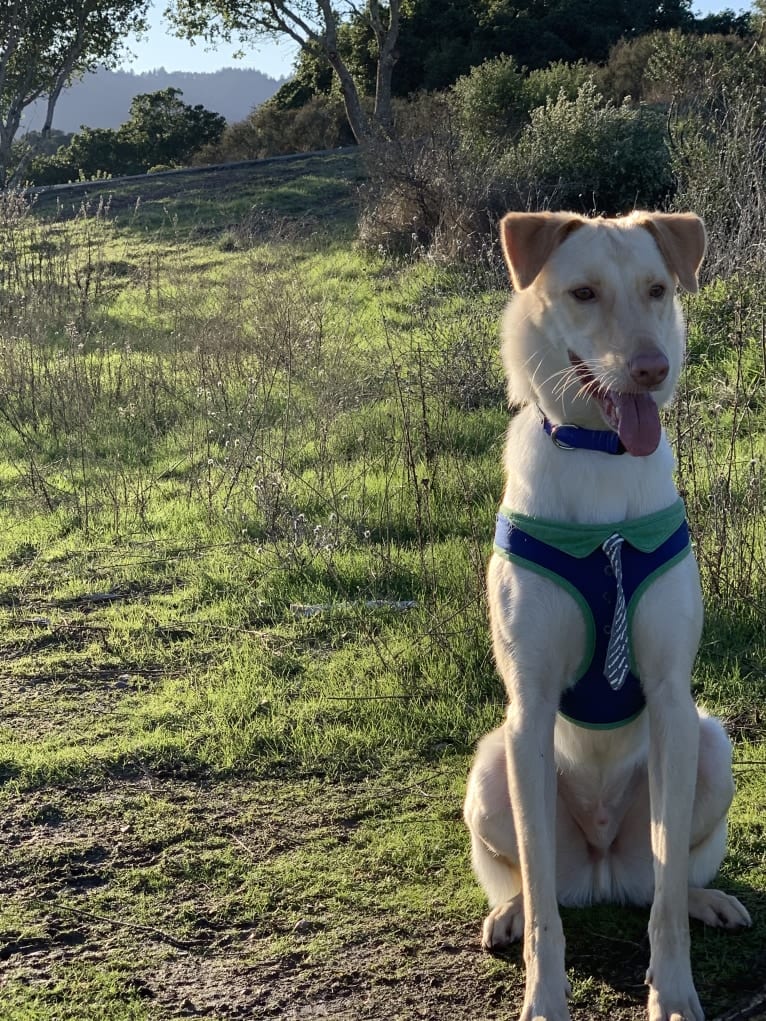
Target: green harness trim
[645, 533]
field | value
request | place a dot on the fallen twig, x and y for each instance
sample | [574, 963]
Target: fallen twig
[753, 1011]
[159, 934]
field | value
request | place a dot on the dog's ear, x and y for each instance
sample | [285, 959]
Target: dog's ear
[681, 240]
[528, 239]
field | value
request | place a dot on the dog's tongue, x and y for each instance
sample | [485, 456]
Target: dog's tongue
[638, 423]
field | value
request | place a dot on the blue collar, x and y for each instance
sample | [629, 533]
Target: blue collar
[573, 437]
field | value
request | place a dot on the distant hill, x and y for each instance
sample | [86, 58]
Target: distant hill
[102, 99]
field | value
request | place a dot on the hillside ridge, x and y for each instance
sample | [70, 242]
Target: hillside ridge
[102, 99]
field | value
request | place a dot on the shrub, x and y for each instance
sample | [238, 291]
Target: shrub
[550, 82]
[161, 131]
[689, 69]
[588, 154]
[719, 158]
[625, 73]
[434, 187]
[275, 130]
[56, 169]
[461, 160]
[491, 101]
[425, 188]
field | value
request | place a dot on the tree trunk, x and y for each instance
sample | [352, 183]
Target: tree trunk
[386, 37]
[8, 132]
[357, 118]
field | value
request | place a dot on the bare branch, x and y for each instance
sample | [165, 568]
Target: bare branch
[280, 13]
[313, 25]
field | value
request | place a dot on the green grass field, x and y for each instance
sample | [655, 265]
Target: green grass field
[249, 479]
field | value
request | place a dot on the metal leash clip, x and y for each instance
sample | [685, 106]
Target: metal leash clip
[562, 444]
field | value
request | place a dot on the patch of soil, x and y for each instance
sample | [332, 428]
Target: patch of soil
[70, 855]
[118, 877]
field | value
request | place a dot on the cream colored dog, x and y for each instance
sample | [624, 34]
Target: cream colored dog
[562, 809]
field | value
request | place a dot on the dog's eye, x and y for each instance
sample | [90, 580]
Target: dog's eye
[657, 291]
[583, 293]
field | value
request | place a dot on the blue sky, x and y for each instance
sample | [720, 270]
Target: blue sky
[161, 49]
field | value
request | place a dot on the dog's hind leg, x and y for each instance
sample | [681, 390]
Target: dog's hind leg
[715, 789]
[494, 852]
[504, 923]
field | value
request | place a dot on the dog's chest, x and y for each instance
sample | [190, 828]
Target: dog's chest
[605, 690]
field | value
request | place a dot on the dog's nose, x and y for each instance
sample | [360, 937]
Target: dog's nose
[650, 368]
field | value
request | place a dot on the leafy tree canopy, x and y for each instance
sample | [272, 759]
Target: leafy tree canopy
[315, 25]
[165, 130]
[441, 40]
[44, 45]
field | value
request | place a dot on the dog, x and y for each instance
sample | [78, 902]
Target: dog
[606, 782]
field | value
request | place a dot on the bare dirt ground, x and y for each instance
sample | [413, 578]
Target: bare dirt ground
[119, 877]
[191, 957]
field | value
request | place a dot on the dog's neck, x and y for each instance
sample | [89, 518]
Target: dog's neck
[545, 481]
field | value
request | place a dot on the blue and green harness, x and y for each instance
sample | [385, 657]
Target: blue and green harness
[605, 568]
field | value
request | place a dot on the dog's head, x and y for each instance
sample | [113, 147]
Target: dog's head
[595, 332]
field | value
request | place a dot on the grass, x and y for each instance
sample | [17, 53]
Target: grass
[231, 206]
[249, 479]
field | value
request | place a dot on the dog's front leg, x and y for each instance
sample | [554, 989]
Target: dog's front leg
[532, 788]
[674, 747]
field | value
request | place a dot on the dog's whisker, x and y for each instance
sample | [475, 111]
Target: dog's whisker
[534, 372]
[561, 380]
[561, 386]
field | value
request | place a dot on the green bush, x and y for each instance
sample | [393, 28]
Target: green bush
[494, 102]
[689, 69]
[719, 160]
[589, 154]
[440, 185]
[549, 82]
[161, 130]
[491, 102]
[426, 189]
[56, 169]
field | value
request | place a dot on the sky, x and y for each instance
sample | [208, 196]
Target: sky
[161, 49]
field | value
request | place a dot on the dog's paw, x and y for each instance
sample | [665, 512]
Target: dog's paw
[713, 907]
[672, 997]
[504, 924]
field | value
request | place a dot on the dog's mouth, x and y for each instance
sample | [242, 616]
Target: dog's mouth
[634, 417]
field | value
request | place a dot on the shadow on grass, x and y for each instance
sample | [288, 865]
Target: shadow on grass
[609, 945]
[317, 189]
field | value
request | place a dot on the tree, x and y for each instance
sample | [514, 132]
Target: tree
[538, 32]
[315, 26]
[44, 45]
[441, 40]
[161, 131]
[164, 130]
